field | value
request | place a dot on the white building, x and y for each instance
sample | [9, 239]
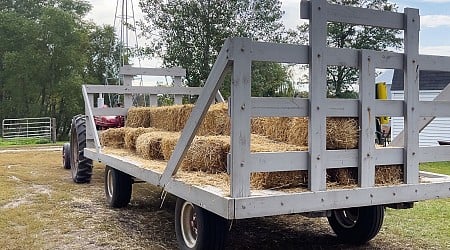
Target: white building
[430, 85]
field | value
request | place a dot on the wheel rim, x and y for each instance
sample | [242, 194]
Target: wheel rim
[109, 183]
[347, 218]
[75, 156]
[189, 228]
[64, 156]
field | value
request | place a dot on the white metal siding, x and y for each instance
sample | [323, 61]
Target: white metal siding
[437, 130]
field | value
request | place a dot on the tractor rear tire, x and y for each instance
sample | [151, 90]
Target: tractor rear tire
[357, 225]
[118, 187]
[81, 166]
[66, 155]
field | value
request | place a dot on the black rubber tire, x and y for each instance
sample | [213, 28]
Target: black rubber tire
[66, 155]
[81, 167]
[118, 187]
[206, 230]
[357, 225]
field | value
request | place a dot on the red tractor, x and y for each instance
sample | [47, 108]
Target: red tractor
[72, 153]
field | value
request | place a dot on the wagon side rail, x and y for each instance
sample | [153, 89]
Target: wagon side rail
[238, 54]
[128, 90]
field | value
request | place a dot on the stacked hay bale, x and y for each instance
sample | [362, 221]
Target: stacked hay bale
[113, 137]
[138, 117]
[131, 135]
[153, 134]
[148, 145]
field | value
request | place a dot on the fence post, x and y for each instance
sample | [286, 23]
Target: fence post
[53, 129]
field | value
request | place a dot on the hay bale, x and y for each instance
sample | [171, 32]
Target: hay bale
[275, 128]
[216, 121]
[209, 153]
[298, 131]
[131, 135]
[342, 133]
[388, 174]
[170, 118]
[138, 117]
[148, 145]
[206, 153]
[113, 137]
[343, 176]
[276, 180]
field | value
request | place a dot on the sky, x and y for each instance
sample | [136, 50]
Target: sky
[434, 33]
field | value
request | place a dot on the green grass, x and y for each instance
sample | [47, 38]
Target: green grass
[436, 167]
[26, 142]
[427, 223]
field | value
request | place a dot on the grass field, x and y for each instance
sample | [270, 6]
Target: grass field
[41, 208]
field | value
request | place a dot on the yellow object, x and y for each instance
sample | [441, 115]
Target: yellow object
[382, 94]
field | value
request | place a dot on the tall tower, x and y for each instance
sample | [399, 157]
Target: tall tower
[125, 29]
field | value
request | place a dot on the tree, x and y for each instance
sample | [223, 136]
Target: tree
[341, 35]
[190, 33]
[47, 52]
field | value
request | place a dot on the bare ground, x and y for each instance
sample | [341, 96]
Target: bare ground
[41, 208]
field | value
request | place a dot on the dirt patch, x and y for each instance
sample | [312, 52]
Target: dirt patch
[41, 208]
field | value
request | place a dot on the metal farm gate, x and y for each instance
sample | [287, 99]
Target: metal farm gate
[42, 127]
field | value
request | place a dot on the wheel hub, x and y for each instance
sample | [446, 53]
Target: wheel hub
[347, 218]
[189, 227]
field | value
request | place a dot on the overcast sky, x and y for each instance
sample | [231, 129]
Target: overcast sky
[435, 20]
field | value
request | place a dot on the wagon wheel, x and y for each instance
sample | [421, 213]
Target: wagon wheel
[81, 166]
[357, 225]
[66, 155]
[197, 228]
[118, 187]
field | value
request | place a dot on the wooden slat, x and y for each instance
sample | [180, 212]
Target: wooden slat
[279, 106]
[143, 90]
[353, 15]
[131, 71]
[282, 161]
[279, 52]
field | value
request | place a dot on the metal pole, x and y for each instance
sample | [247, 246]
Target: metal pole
[53, 129]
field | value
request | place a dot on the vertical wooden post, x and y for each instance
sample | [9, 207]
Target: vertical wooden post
[411, 87]
[177, 83]
[317, 95]
[127, 98]
[366, 172]
[240, 124]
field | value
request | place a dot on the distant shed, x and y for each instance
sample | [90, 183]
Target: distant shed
[431, 84]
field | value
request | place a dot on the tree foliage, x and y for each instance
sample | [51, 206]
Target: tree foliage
[341, 35]
[190, 33]
[46, 52]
